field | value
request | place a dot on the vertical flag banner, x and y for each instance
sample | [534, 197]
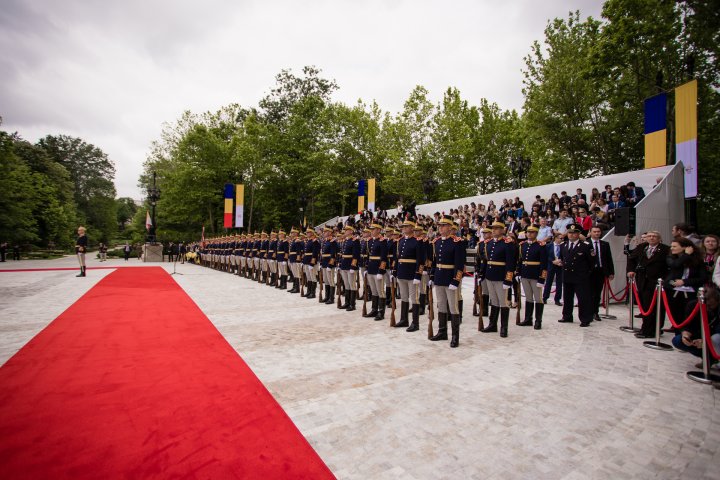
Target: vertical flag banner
[656, 131]
[148, 220]
[239, 204]
[686, 134]
[361, 195]
[371, 194]
[228, 212]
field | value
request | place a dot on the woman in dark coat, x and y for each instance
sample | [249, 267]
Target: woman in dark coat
[686, 274]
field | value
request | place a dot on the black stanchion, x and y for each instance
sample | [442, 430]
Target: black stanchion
[631, 323]
[705, 376]
[657, 344]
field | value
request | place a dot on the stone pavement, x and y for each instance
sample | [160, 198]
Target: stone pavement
[380, 403]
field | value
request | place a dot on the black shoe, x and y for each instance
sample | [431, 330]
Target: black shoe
[404, 310]
[504, 317]
[559, 304]
[455, 325]
[492, 322]
[597, 318]
[586, 324]
[643, 335]
[562, 320]
[415, 325]
[381, 311]
[374, 308]
[345, 305]
[442, 328]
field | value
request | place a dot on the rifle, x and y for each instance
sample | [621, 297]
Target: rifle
[519, 302]
[364, 312]
[475, 297]
[339, 283]
[320, 282]
[392, 293]
[481, 324]
[431, 315]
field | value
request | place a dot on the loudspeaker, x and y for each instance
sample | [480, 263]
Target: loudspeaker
[624, 221]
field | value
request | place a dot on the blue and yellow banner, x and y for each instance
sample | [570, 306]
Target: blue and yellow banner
[656, 131]
[361, 196]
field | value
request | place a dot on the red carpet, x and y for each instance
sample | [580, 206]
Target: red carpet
[133, 381]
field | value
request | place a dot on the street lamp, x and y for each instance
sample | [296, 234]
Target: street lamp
[519, 166]
[153, 196]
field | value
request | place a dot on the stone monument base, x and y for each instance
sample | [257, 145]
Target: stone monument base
[152, 252]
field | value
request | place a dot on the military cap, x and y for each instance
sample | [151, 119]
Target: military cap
[574, 229]
[498, 225]
[282, 232]
[327, 229]
[294, 230]
[376, 225]
[408, 223]
[446, 220]
[486, 230]
[349, 227]
[532, 228]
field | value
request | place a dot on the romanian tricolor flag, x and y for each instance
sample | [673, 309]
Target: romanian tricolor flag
[686, 134]
[361, 195]
[656, 131]
[371, 194]
[228, 213]
[239, 204]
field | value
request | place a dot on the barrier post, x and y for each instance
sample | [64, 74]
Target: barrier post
[657, 344]
[631, 323]
[705, 376]
[606, 296]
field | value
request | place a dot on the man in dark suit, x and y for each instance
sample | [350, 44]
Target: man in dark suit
[603, 268]
[513, 226]
[577, 263]
[579, 195]
[646, 264]
[554, 270]
[635, 194]
[565, 200]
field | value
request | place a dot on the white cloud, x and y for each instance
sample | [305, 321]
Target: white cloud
[113, 72]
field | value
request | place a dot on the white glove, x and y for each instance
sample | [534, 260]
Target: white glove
[379, 276]
[392, 277]
[364, 273]
[506, 287]
[416, 282]
[430, 283]
[452, 287]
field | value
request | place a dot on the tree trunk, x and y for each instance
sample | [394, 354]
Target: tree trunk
[212, 222]
[252, 203]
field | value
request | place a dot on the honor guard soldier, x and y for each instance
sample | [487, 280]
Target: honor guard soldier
[364, 254]
[454, 232]
[256, 256]
[409, 266]
[311, 262]
[499, 268]
[577, 261]
[390, 242]
[428, 255]
[349, 264]
[295, 259]
[532, 271]
[327, 265]
[480, 260]
[447, 275]
[281, 258]
[264, 247]
[376, 269]
[271, 258]
[242, 254]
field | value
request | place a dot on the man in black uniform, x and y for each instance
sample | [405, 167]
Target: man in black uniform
[603, 269]
[577, 261]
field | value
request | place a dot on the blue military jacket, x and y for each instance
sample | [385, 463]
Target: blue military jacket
[501, 258]
[329, 252]
[533, 261]
[409, 258]
[272, 249]
[350, 254]
[377, 256]
[312, 252]
[296, 251]
[282, 250]
[449, 262]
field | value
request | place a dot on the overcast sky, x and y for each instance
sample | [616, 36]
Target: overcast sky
[112, 73]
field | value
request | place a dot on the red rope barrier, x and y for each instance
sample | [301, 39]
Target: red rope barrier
[612, 295]
[670, 317]
[708, 335]
[639, 304]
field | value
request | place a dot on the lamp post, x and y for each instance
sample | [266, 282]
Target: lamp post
[520, 166]
[153, 196]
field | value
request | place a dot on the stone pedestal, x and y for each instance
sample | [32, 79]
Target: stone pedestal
[152, 252]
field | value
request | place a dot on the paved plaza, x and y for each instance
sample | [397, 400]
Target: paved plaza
[379, 403]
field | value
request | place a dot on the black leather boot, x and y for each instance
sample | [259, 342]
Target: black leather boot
[529, 308]
[388, 296]
[313, 288]
[330, 296]
[404, 310]
[504, 316]
[455, 324]
[486, 305]
[442, 328]
[351, 300]
[346, 299]
[381, 311]
[295, 286]
[415, 325]
[460, 309]
[423, 301]
[493, 319]
[82, 272]
[374, 307]
[539, 307]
